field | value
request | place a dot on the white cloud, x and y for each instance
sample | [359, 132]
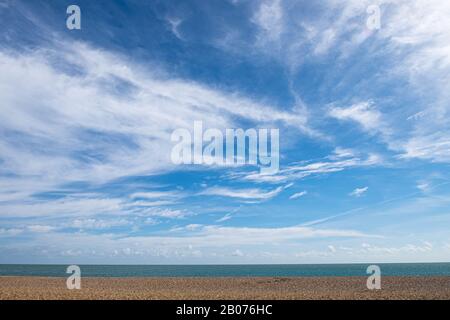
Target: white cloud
[327, 39]
[423, 186]
[224, 218]
[269, 18]
[10, 232]
[410, 48]
[88, 205]
[256, 176]
[237, 253]
[340, 153]
[162, 213]
[62, 207]
[110, 119]
[358, 192]
[418, 49]
[40, 228]
[194, 235]
[413, 248]
[174, 25]
[248, 194]
[434, 147]
[98, 223]
[155, 194]
[304, 169]
[298, 195]
[247, 235]
[363, 113]
[157, 203]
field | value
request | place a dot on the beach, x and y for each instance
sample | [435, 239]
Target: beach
[251, 288]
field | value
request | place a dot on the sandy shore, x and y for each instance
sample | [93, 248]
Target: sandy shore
[226, 288]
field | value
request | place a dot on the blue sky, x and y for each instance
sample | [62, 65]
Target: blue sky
[86, 117]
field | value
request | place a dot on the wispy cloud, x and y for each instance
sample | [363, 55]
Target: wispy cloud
[269, 18]
[174, 26]
[97, 224]
[10, 231]
[40, 228]
[329, 164]
[155, 195]
[183, 243]
[358, 192]
[298, 195]
[237, 253]
[224, 218]
[135, 140]
[363, 113]
[246, 194]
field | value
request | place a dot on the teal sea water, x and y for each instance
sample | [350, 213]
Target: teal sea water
[282, 270]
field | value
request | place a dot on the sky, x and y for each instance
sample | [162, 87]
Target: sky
[86, 118]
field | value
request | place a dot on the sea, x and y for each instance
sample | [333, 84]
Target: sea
[257, 270]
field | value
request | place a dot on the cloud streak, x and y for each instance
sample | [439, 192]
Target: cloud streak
[112, 121]
[298, 195]
[358, 192]
[245, 194]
